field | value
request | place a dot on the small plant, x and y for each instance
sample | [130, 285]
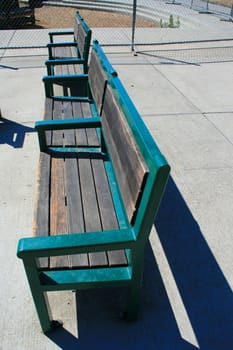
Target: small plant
[171, 23]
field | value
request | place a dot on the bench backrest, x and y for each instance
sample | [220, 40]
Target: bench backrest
[141, 170]
[100, 70]
[82, 35]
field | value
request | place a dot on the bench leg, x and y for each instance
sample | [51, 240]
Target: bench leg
[39, 297]
[133, 306]
[134, 293]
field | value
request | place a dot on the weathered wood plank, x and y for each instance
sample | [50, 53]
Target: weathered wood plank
[97, 80]
[90, 208]
[69, 135]
[48, 115]
[92, 138]
[74, 207]
[128, 163]
[41, 223]
[106, 209]
[76, 28]
[80, 134]
[58, 208]
[57, 135]
[81, 39]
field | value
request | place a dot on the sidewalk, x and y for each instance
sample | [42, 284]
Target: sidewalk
[184, 94]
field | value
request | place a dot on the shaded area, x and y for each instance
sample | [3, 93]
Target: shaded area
[189, 55]
[14, 14]
[13, 133]
[100, 324]
[205, 292]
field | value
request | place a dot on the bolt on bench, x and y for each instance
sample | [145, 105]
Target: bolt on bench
[95, 205]
[70, 57]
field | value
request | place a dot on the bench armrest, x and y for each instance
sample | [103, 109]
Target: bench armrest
[44, 246]
[62, 44]
[63, 61]
[50, 46]
[45, 125]
[52, 34]
[80, 81]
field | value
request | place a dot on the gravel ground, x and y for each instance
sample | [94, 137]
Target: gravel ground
[63, 17]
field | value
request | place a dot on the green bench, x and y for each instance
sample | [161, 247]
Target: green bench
[95, 205]
[72, 56]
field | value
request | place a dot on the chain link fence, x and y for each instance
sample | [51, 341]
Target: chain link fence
[117, 22]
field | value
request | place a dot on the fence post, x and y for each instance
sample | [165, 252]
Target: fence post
[231, 11]
[133, 23]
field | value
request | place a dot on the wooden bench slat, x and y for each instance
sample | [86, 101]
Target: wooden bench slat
[104, 198]
[57, 135]
[58, 208]
[126, 157]
[90, 208]
[48, 114]
[107, 210]
[81, 135]
[97, 80]
[74, 208]
[41, 223]
[69, 135]
[76, 28]
[81, 38]
[92, 138]
[84, 137]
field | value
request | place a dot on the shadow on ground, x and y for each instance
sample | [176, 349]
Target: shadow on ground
[13, 133]
[205, 292]
[194, 55]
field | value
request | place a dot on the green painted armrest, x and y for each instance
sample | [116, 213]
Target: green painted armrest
[52, 34]
[62, 33]
[63, 78]
[45, 246]
[62, 44]
[44, 125]
[64, 61]
[81, 80]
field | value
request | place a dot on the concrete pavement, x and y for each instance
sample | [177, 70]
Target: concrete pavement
[186, 101]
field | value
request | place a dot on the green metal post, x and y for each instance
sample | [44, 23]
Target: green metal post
[134, 293]
[39, 297]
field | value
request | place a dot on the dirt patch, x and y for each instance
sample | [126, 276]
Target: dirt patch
[63, 17]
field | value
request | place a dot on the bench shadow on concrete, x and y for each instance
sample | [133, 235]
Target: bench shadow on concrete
[13, 133]
[205, 293]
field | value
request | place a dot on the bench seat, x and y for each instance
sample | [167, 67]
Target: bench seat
[80, 201]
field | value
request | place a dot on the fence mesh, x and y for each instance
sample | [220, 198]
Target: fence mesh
[112, 21]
